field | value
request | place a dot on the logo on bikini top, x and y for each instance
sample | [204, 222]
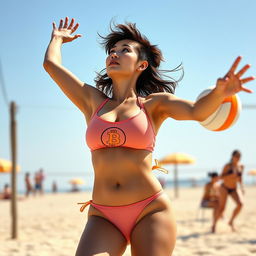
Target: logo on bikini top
[113, 137]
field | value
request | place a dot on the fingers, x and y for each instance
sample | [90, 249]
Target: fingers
[248, 79]
[61, 24]
[66, 23]
[66, 26]
[71, 23]
[75, 27]
[243, 70]
[54, 25]
[76, 36]
[232, 82]
[234, 66]
[246, 90]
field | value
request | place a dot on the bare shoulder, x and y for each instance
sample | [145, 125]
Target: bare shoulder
[208, 186]
[226, 167]
[154, 100]
[153, 105]
[216, 185]
[95, 94]
[96, 98]
[166, 105]
[160, 96]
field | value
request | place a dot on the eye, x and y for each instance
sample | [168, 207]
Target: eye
[125, 50]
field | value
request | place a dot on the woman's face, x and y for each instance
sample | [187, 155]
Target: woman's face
[123, 59]
[215, 179]
[236, 158]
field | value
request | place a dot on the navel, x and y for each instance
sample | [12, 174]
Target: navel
[117, 185]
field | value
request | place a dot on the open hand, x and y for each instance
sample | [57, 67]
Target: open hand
[232, 82]
[66, 30]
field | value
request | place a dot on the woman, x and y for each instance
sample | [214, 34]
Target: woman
[124, 113]
[29, 187]
[7, 193]
[211, 194]
[231, 175]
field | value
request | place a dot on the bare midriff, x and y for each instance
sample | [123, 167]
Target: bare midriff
[123, 176]
[231, 180]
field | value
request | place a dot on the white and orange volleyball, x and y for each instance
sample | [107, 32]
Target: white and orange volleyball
[226, 114]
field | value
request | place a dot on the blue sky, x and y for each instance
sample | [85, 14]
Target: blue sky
[206, 36]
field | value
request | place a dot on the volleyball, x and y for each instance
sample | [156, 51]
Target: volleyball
[226, 114]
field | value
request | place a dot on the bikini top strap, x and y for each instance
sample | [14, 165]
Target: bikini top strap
[139, 102]
[101, 106]
[145, 111]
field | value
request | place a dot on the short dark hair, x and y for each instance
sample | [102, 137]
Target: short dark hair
[150, 80]
[213, 174]
[236, 152]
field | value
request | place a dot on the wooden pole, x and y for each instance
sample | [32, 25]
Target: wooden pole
[14, 234]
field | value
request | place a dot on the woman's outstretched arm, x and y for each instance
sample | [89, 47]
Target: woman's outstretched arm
[78, 92]
[172, 106]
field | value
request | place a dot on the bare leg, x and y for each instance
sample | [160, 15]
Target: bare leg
[221, 206]
[215, 206]
[154, 234]
[101, 237]
[239, 205]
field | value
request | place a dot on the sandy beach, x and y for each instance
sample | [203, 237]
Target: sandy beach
[52, 224]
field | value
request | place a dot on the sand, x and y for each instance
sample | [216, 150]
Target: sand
[52, 224]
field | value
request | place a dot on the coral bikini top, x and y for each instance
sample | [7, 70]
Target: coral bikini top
[135, 132]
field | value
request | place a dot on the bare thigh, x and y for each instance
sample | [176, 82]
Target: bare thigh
[222, 198]
[100, 237]
[212, 204]
[154, 234]
[236, 197]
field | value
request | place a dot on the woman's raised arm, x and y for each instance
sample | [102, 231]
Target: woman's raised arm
[78, 92]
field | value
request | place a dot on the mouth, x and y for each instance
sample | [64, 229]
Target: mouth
[113, 63]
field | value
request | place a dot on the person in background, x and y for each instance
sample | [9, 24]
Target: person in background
[231, 176]
[28, 184]
[41, 178]
[7, 193]
[37, 181]
[210, 197]
[54, 187]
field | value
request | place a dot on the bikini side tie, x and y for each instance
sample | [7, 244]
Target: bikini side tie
[158, 167]
[84, 205]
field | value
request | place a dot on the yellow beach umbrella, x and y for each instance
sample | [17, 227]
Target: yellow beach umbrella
[76, 181]
[6, 166]
[252, 172]
[176, 159]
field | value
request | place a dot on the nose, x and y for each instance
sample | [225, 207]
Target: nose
[113, 55]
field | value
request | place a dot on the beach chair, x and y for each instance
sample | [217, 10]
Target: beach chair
[200, 214]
